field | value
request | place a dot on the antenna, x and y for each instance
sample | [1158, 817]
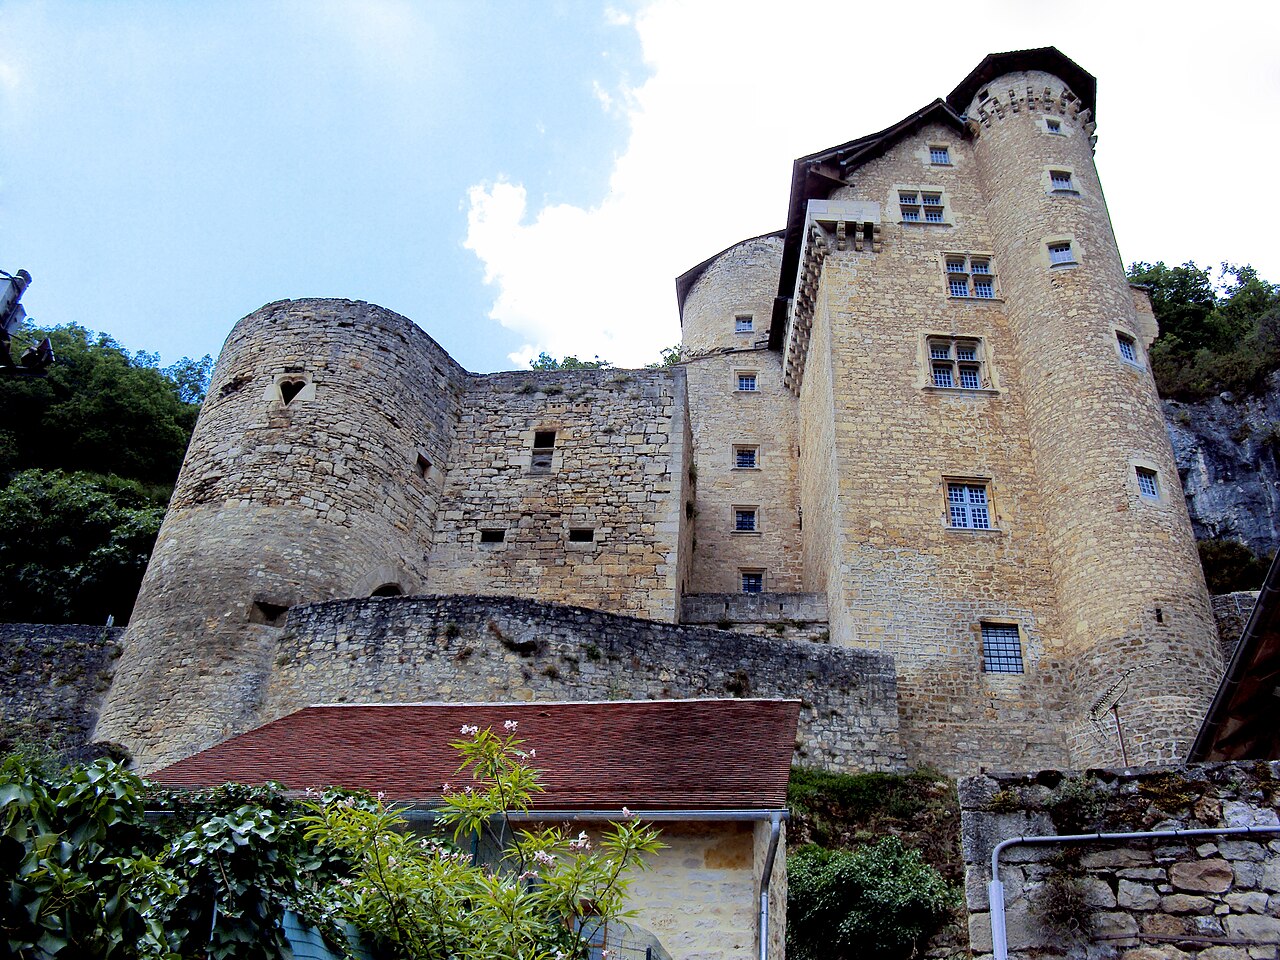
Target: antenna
[1109, 702]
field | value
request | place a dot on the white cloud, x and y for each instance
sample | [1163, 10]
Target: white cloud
[733, 98]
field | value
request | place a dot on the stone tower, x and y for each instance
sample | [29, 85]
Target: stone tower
[314, 472]
[1132, 601]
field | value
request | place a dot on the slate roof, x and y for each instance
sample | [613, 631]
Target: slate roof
[645, 755]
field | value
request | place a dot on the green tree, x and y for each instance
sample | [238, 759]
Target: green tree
[547, 362]
[1230, 566]
[73, 546]
[667, 357]
[426, 898]
[100, 410]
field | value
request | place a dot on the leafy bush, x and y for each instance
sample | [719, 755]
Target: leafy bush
[878, 902]
[1230, 566]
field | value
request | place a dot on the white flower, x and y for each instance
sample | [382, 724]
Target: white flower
[509, 725]
[627, 814]
[532, 752]
[469, 730]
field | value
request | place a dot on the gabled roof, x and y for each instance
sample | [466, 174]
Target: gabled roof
[818, 175]
[645, 755]
[1243, 721]
[1049, 59]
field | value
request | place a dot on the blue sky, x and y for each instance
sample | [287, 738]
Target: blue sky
[519, 176]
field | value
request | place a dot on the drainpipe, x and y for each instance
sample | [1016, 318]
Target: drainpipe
[995, 889]
[775, 831]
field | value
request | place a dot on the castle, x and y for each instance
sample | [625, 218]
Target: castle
[912, 468]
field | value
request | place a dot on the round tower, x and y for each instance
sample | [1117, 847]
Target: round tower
[1137, 627]
[314, 473]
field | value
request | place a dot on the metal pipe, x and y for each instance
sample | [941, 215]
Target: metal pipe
[766, 875]
[995, 889]
[535, 814]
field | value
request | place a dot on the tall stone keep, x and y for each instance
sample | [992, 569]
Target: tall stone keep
[314, 473]
[1132, 602]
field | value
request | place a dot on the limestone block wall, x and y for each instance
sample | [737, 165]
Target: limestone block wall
[790, 616]
[899, 578]
[614, 477]
[1231, 612]
[52, 681]
[1171, 898]
[1125, 565]
[461, 649]
[330, 494]
[726, 419]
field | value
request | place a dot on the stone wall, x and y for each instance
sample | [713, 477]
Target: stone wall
[790, 616]
[1203, 898]
[614, 478]
[460, 649]
[52, 681]
[1231, 612]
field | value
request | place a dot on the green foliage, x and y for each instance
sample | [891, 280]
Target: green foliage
[100, 409]
[1077, 805]
[73, 546]
[1213, 337]
[547, 362]
[70, 846]
[1230, 566]
[426, 898]
[878, 902]
[667, 357]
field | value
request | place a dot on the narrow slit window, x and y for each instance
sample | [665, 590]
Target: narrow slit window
[492, 535]
[1001, 648]
[1148, 483]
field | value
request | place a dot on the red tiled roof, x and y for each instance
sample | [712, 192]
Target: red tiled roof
[646, 755]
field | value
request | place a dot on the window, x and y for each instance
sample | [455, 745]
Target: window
[967, 506]
[423, 467]
[970, 275]
[544, 448]
[744, 520]
[917, 206]
[940, 156]
[492, 536]
[582, 534]
[1061, 180]
[1052, 125]
[746, 382]
[1128, 348]
[955, 362]
[743, 323]
[752, 581]
[745, 458]
[1147, 483]
[1001, 648]
[1060, 254]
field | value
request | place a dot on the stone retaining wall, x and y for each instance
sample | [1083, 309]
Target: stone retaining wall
[1215, 898]
[52, 681]
[790, 616]
[461, 649]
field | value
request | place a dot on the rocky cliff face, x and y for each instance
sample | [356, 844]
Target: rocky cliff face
[1228, 452]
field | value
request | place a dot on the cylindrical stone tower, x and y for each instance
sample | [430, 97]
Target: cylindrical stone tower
[743, 421]
[1137, 625]
[314, 473]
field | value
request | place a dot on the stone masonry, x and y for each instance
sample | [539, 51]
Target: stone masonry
[921, 413]
[1170, 898]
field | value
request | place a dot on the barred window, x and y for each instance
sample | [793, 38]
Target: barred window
[1061, 180]
[940, 155]
[967, 506]
[1128, 348]
[1148, 484]
[744, 519]
[1001, 648]
[969, 275]
[745, 457]
[747, 382]
[956, 362]
[752, 581]
[1053, 126]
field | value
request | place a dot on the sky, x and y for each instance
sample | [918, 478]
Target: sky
[519, 176]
